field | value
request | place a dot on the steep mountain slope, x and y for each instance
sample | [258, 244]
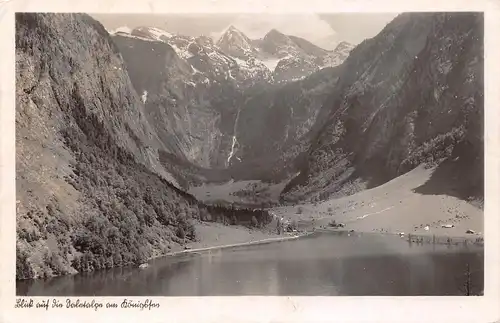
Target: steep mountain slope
[411, 95]
[284, 115]
[338, 55]
[89, 186]
[236, 44]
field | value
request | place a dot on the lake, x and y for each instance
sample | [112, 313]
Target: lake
[323, 264]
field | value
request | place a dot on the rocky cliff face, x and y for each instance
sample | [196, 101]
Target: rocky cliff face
[181, 102]
[284, 115]
[411, 95]
[92, 179]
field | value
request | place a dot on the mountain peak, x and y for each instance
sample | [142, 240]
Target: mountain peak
[274, 33]
[277, 37]
[152, 33]
[232, 30]
[344, 46]
[234, 42]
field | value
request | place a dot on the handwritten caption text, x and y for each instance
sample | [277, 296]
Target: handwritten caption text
[86, 304]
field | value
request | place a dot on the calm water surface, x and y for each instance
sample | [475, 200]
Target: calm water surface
[320, 264]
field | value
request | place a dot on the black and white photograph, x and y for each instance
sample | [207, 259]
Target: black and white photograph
[250, 154]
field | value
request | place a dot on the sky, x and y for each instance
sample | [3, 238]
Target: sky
[325, 30]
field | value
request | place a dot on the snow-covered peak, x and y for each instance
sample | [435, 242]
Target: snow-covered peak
[123, 30]
[232, 29]
[152, 33]
[232, 34]
[236, 43]
[159, 32]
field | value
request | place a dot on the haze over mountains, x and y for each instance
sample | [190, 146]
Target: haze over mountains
[112, 128]
[307, 26]
[352, 27]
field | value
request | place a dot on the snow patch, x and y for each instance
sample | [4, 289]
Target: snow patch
[240, 62]
[123, 29]
[158, 33]
[271, 63]
[135, 37]
[445, 67]
[144, 96]
[182, 53]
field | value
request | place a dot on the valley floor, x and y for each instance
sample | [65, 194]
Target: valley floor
[392, 208]
[244, 192]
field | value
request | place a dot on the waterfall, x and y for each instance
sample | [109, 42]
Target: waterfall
[235, 140]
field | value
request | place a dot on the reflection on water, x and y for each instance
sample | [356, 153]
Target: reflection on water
[322, 264]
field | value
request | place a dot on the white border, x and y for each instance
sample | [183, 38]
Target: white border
[259, 309]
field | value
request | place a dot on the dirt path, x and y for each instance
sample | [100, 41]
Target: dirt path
[216, 235]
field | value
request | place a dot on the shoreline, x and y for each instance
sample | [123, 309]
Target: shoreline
[439, 239]
[454, 238]
[226, 246]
